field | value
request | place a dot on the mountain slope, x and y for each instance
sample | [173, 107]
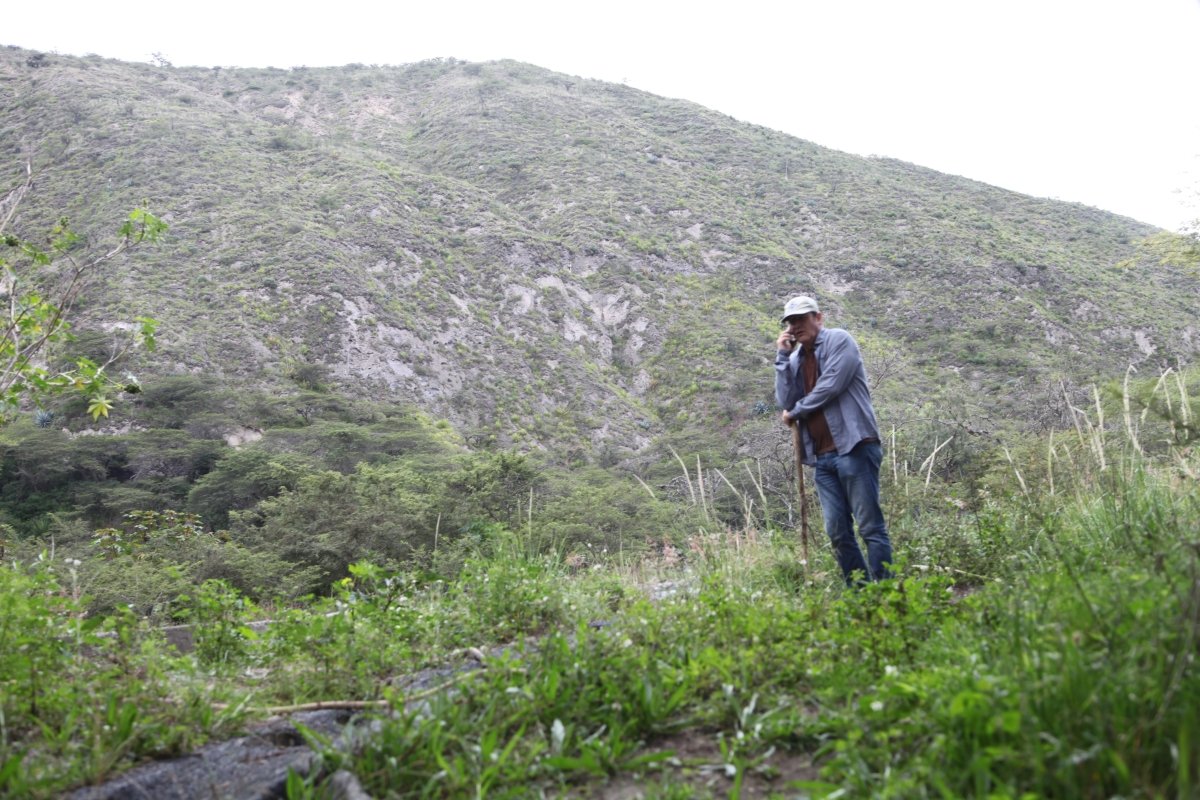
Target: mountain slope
[554, 261]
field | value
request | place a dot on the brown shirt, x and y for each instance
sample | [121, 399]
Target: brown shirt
[818, 429]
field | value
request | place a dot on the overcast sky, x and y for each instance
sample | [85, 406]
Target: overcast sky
[1091, 101]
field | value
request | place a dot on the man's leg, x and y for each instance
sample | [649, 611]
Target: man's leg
[859, 473]
[836, 508]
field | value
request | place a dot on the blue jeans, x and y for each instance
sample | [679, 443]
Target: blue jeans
[849, 490]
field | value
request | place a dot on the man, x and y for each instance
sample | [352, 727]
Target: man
[821, 385]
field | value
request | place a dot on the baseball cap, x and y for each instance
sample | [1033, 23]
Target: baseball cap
[798, 305]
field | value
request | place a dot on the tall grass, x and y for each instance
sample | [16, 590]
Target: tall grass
[1074, 677]
[1072, 673]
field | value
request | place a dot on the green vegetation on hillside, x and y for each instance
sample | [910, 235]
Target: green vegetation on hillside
[548, 261]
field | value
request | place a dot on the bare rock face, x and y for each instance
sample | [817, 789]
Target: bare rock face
[254, 767]
[242, 436]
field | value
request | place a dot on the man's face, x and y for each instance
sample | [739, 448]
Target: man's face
[804, 327]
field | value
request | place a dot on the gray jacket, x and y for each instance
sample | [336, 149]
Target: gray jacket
[841, 391]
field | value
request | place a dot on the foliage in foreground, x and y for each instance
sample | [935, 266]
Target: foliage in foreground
[1068, 672]
[37, 291]
[84, 696]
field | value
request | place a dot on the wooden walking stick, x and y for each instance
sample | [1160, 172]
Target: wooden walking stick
[798, 446]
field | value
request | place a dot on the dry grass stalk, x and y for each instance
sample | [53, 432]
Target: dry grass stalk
[1050, 461]
[746, 501]
[758, 485]
[1161, 384]
[1185, 405]
[1013, 464]
[1098, 431]
[1185, 409]
[1130, 428]
[1075, 412]
[645, 486]
[686, 475]
[895, 470]
[927, 464]
[1070, 458]
[1093, 439]
[728, 547]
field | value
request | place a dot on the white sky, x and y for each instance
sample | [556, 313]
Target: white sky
[1091, 101]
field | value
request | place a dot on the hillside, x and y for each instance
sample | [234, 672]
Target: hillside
[551, 261]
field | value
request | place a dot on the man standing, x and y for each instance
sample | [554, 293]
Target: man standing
[821, 385]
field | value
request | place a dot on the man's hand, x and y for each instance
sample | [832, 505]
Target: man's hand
[785, 418]
[786, 341]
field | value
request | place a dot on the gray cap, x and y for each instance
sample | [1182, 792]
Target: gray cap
[799, 305]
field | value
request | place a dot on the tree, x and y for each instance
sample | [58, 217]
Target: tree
[241, 479]
[38, 289]
[386, 513]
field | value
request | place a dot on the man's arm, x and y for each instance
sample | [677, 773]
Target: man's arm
[784, 385]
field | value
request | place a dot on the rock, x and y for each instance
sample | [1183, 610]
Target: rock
[253, 767]
[344, 786]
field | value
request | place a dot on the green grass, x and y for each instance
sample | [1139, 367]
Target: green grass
[1068, 672]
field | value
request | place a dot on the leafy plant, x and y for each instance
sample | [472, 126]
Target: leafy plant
[219, 614]
[39, 294]
[142, 526]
